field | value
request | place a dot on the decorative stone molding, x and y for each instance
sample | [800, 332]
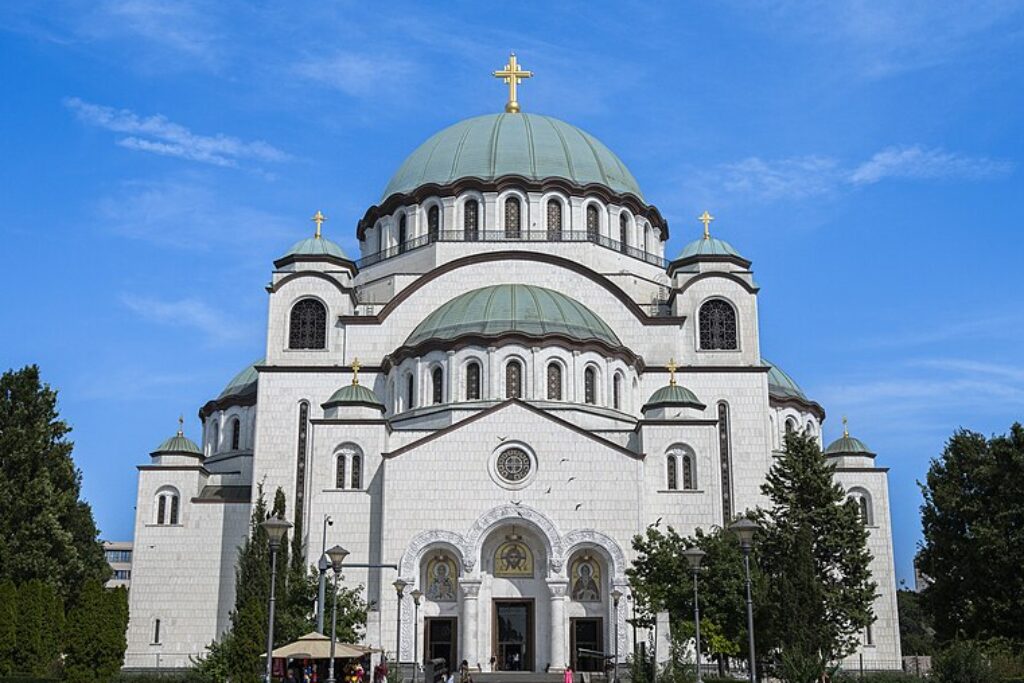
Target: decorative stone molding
[520, 514]
[559, 588]
[428, 540]
[589, 538]
[470, 589]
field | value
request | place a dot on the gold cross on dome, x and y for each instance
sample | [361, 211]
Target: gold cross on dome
[846, 431]
[181, 425]
[512, 76]
[706, 219]
[672, 371]
[355, 371]
[319, 219]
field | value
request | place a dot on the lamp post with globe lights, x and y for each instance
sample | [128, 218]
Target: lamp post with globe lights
[337, 555]
[695, 556]
[416, 596]
[276, 528]
[322, 566]
[399, 585]
[616, 596]
[745, 529]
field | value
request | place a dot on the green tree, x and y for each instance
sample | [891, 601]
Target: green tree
[39, 619]
[95, 642]
[8, 626]
[46, 531]
[972, 518]
[814, 556]
[917, 637]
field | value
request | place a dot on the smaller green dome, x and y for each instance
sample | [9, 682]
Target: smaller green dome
[848, 445]
[782, 385]
[243, 383]
[354, 394]
[178, 444]
[316, 246]
[673, 395]
[708, 246]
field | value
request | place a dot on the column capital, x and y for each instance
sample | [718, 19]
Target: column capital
[470, 588]
[559, 587]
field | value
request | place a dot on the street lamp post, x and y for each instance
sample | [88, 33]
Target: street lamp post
[276, 528]
[416, 595]
[400, 590]
[616, 596]
[337, 555]
[695, 556]
[322, 565]
[745, 529]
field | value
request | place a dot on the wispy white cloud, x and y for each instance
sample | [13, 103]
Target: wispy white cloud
[189, 313]
[355, 74]
[158, 135]
[803, 177]
[180, 25]
[921, 163]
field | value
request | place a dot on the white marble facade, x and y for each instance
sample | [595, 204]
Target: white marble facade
[434, 492]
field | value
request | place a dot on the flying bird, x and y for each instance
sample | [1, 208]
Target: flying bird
[549, 490]
[502, 438]
[563, 460]
[657, 522]
[572, 478]
[578, 506]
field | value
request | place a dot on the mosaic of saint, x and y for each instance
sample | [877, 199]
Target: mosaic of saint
[586, 580]
[442, 578]
[513, 559]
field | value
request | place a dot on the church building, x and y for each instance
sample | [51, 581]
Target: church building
[509, 381]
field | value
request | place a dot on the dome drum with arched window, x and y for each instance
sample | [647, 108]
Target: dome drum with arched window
[849, 451]
[177, 449]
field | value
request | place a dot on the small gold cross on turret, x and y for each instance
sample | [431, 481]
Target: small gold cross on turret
[672, 371]
[706, 219]
[512, 76]
[846, 429]
[181, 425]
[319, 219]
[355, 371]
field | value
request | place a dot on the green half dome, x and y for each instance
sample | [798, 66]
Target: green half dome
[529, 145]
[244, 383]
[708, 246]
[316, 246]
[848, 445]
[178, 444]
[353, 394]
[782, 385]
[523, 309]
[673, 395]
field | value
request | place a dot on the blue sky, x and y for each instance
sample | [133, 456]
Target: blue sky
[157, 156]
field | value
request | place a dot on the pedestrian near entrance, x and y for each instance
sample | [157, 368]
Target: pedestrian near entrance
[569, 675]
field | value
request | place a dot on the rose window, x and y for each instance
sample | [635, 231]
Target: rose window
[513, 465]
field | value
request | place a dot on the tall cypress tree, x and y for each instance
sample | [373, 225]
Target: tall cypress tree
[95, 642]
[814, 554]
[8, 626]
[46, 531]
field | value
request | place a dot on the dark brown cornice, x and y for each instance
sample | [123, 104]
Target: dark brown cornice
[243, 400]
[518, 182]
[500, 406]
[798, 403]
[507, 338]
[753, 289]
[316, 258]
[709, 258]
[492, 256]
[274, 286]
[683, 369]
[179, 468]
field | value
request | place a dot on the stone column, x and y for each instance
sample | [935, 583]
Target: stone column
[493, 383]
[449, 396]
[559, 652]
[468, 628]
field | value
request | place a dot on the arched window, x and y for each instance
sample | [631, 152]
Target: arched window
[725, 451]
[300, 459]
[590, 386]
[689, 480]
[617, 392]
[214, 436]
[236, 434]
[402, 234]
[167, 506]
[156, 632]
[357, 471]
[433, 222]
[437, 386]
[865, 513]
[513, 217]
[554, 220]
[790, 426]
[473, 381]
[514, 379]
[593, 222]
[623, 227]
[862, 500]
[410, 393]
[307, 328]
[647, 231]
[471, 220]
[718, 326]
[339, 476]
[671, 474]
[554, 382]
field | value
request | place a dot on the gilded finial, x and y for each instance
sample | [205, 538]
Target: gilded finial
[706, 219]
[319, 219]
[512, 76]
[672, 371]
[181, 425]
[355, 371]
[846, 430]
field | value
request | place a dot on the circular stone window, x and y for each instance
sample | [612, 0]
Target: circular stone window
[514, 466]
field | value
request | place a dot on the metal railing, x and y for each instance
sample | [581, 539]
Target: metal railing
[510, 236]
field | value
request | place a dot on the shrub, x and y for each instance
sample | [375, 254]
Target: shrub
[962, 662]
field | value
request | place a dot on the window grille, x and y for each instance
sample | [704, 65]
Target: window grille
[471, 220]
[513, 217]
[554, 382]
[554, 220]
[514, 379]
[473, 382]
[718, 326]
[308, 325]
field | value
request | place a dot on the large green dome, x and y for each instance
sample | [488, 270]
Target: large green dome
[525, 309]
[496, 145]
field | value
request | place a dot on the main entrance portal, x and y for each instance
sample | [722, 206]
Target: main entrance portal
[441, 639]
[513, 635]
